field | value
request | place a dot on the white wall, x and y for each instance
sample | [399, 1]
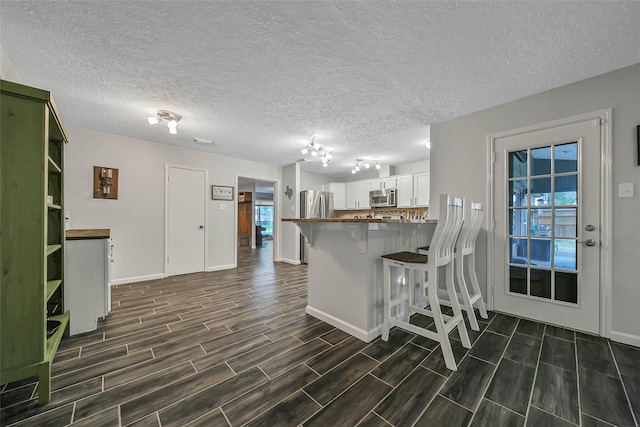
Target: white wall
[136, 219]
[424, 166]
[7, 71]
[459, 166]
[314, 181]
[289, 208]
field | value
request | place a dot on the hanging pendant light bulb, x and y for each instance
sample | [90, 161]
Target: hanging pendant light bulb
[377, 165]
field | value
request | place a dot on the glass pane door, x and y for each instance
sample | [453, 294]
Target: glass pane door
[264, 218]
[542, 231]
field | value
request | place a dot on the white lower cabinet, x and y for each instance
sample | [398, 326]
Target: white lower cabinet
[88, 295]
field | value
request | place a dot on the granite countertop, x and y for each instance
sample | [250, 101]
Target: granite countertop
[363, 220]
[91, 233]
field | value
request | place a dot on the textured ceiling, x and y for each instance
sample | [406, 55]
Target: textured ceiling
[257, 78]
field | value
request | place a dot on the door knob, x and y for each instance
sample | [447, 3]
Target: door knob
[589, 227]
[201, 227]
[588, 242]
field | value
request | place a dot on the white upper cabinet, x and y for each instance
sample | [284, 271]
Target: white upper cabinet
[421, 182]
[390, 182]
[363, 195]
[339, 190]
[352, 195]
[358, 195]
[413, 190]
[405, 191]
[383, 183]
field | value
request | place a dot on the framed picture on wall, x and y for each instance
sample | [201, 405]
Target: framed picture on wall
[219, 192]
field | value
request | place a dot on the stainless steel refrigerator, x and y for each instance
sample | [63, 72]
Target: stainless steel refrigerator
[313, 204]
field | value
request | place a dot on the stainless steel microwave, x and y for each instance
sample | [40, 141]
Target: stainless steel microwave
[383, 198]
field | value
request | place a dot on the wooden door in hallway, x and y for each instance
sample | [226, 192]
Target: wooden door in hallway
[186, 220]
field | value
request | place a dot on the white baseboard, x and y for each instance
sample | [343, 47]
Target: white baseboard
[127, 280]
[621, 337]
[366, 336]
[290, 261]
[221, 267]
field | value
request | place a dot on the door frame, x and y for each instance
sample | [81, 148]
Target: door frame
[606, 206]
[167, 167]
[276, 216]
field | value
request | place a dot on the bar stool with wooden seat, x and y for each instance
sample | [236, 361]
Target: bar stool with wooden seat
[464, 255]
[427, 267]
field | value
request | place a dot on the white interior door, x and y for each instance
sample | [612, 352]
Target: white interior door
[547, 225]
[186, 221]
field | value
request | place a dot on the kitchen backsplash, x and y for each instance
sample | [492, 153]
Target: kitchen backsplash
[391, 213]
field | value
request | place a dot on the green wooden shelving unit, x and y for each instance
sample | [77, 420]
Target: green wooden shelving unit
[32, 233]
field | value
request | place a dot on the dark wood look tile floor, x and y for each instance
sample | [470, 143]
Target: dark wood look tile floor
[235, 348]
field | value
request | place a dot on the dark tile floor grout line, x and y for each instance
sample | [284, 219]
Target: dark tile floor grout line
[580, 416]
[495, 370]
[535, 374]
[624, 387]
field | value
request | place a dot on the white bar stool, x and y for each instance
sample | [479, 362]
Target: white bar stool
[464, 255]
[440, 255]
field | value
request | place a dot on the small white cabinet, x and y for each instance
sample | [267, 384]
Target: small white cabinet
[383, 183]
[358, 195]
[87, 282]
[413, 190]
[363, 195]
[339, 190]
[352, 195]
[421, 184]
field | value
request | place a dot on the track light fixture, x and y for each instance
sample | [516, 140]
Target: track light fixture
[360, 162]
[315, 150]
[169, 117]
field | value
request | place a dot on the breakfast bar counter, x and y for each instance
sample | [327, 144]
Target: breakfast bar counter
[345, 286]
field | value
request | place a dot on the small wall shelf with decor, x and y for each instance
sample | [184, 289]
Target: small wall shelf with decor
[33, 319]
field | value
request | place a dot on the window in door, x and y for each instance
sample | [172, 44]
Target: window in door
[542, 212]
[264, 218]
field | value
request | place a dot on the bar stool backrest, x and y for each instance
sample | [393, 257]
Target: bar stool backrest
[449, 223]
[467, 241]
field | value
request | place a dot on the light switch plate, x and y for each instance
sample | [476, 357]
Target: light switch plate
[625, 189]
[223, 206]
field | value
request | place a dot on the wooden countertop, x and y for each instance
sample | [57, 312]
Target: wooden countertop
[91, 233]
[363, 220]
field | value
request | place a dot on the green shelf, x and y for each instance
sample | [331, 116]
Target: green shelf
[53, 166]
[52, 248]
[54, 340]
[32, 188]
[52, 285]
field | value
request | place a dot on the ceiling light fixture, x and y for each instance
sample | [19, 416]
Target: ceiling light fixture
[316, 150]
[428, 144]
[355, 166]
[169, 117]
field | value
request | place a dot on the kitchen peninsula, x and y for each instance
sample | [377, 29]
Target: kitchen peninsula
[345, 282]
